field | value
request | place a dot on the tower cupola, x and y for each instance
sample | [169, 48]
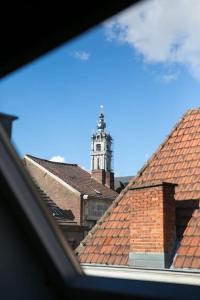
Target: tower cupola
[101, 153]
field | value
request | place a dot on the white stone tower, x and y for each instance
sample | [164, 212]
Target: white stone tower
[101, 154]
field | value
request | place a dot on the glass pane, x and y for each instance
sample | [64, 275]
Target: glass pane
[109, 130]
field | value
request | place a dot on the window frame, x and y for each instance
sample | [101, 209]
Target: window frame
[27, 199]
[60, 254]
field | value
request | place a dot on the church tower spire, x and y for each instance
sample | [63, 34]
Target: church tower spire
[101, 154]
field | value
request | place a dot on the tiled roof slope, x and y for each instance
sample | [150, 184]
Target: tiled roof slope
[188, 253]
[177, 160]
[108, 241]
[76, 177]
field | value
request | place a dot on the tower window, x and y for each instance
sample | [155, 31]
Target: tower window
[98, 147]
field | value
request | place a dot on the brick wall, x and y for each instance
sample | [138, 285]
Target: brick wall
[103, 177]
[109, 180]
[60, 194]
[152, 225]
[98, 175]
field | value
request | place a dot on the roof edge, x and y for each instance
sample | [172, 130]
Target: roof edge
[50, 161]
[52, 175]
[174, 128]
[12, 117]
[142, 185]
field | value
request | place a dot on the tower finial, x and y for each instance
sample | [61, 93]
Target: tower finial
[101, 124]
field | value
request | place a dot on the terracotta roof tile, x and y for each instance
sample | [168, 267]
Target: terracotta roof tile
[182, 250]
[189, 247]
[104, 259]
[118, 259]
[89, 258]
[100, 259]
[187, 262]
[124, 260]
[177, 160]
[195, 263]
[191, 251]
[111, 260]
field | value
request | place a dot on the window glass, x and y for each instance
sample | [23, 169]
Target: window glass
[109, 130]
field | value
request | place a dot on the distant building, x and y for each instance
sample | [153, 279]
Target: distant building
[73, 232]
[155, 221]
[101, 155]
[85, 196]
[71, 188]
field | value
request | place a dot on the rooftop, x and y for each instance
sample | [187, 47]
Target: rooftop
[76, 177]
[177, 160]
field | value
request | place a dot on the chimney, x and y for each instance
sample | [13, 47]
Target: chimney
[109, 180]
[6, 122]
[104, 177]
[152, 225]
[98, 175]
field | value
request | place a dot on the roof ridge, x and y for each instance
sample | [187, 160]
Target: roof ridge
[131, 182]
[174, 128]
[192, 109]
[50, 161]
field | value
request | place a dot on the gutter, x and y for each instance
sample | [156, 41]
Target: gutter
[172, 276]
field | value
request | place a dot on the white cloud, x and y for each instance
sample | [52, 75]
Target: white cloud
[161, 31]
[81, 55]
[58, 159]
[170, 77]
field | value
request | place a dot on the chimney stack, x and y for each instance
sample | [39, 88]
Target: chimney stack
[104, 177]
[99, 175]
[6, 122]
[152, 225]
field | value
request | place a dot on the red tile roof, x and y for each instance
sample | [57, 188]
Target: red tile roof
[188, 252]
[177, 160]
[110, 243]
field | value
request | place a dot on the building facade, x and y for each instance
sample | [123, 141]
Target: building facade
[72, 189]
[82, 196]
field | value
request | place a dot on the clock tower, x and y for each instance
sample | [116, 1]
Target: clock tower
[101, 154]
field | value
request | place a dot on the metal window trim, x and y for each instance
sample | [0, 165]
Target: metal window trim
[50, 237]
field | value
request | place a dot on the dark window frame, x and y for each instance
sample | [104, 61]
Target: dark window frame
[24, 199]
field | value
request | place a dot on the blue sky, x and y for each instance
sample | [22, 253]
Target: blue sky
[144, 88]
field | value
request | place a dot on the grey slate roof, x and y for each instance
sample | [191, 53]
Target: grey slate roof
[76, 177]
